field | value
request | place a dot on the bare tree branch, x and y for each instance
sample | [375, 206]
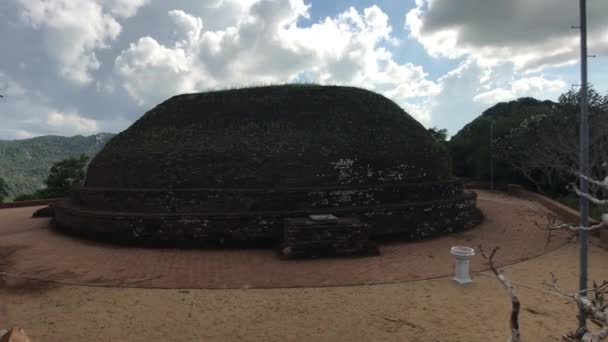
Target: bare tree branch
[603, 184]
[565, 226]
[515, 304]
[589, 197]
[595, 308]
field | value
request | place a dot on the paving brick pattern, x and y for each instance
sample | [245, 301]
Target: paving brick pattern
[28, 248]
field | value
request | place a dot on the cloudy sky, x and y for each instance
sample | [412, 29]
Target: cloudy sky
[84, 66]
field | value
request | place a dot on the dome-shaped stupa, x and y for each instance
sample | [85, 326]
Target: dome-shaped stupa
[237, 163]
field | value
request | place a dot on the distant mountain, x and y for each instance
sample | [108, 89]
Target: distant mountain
[24, 164]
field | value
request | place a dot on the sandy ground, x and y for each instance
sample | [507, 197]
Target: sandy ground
[29, 249]
[428, 310]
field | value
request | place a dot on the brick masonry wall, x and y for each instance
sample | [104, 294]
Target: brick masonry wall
[270, 199]
[413, 220]
[234, 164]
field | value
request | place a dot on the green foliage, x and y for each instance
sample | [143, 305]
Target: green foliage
[24, 164]
[439, 135]
[597, 103]
[544, 147]
[65, 174]
[535, 143]
[26, 197]
[573, 201]
[470, 147]
[3, 190]
[39, 194]
[62, 177]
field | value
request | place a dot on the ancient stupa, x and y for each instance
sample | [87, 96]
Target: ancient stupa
[237, 163]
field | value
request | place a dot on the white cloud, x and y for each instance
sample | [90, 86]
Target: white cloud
[150, 71]
[190, 26]
[71, 122]
[530, 34]
[74, 30]
[493, 96]
[420, 112]
[21, 134]
[267, 45]
[25, 114]
[469, 89]
[405, 81]
[536, 86]
[501, 46]
[28, 117]
[124, 8]
[9, 87]
[454, 105]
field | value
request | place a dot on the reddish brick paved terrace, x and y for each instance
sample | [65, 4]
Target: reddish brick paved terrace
[29, 249]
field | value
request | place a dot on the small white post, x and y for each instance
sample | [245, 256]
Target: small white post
[461, 272]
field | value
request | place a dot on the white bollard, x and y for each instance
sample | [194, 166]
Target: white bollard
[462, 255]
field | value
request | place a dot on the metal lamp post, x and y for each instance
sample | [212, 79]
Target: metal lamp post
[492, 155]
[584, 158]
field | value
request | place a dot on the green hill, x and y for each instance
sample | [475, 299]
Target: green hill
[470, 147]
[24, 164]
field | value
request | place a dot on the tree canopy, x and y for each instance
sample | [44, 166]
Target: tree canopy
[470, 147]
[63, 175]
[25, 164]
[439, 135]
[535, 142]
[544, 148]
[3, 190]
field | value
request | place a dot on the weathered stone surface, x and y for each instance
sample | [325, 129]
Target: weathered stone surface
[44, 212]
[304, 237]
[412, 220]
[236, 164]
[279, 136]
[219, 200]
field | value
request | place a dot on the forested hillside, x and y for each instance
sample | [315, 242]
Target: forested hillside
[535, 144]
[24, 164]
[470, 147]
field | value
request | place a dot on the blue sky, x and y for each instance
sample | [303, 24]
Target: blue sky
[81, 67]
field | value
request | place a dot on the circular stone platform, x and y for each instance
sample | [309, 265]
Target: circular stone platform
[237, 164]
[29, 249]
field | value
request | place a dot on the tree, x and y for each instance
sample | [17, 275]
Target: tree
[3, 190]
[64, 175]
[515, 304]
[470, 147]
[544, 147]
[593, 306]
[439, 135]
[26, 197]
